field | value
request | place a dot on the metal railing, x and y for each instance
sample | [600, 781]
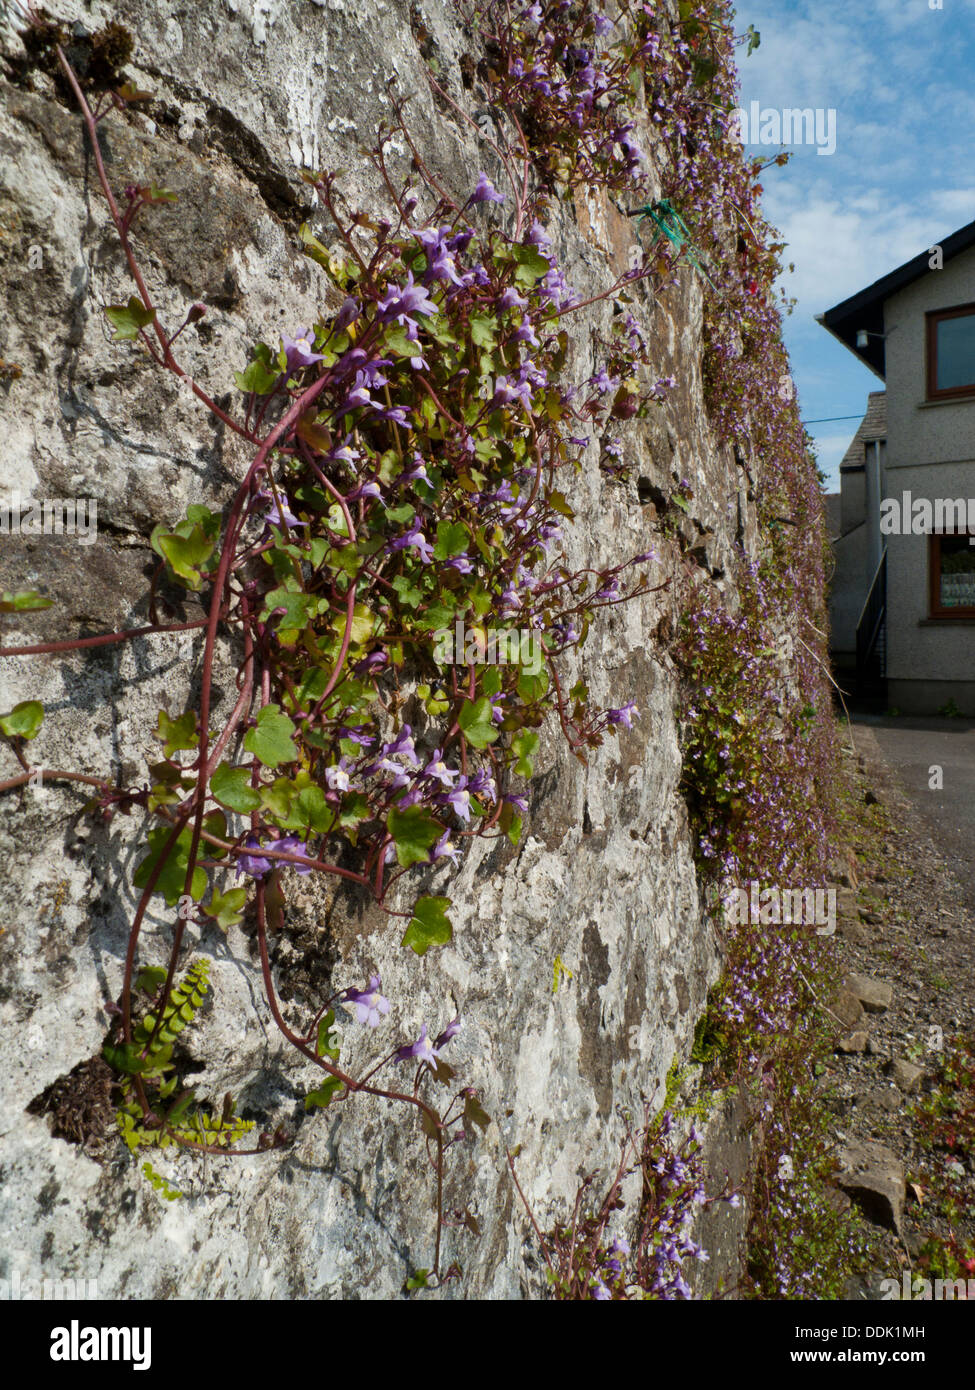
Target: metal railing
[869, 628]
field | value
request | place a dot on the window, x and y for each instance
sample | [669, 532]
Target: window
[951, 352]
[952, 572]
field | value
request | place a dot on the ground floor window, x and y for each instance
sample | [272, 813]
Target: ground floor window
[952, 572]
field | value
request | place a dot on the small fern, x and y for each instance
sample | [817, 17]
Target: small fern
[164, 1188]
[177, 1117]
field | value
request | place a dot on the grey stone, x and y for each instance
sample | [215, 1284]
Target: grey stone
[846, 1008]
[875, 995]
[874, 1178]
[905, 1075]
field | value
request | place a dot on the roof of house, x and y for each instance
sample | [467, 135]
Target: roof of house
[872, 426]
[865, 309]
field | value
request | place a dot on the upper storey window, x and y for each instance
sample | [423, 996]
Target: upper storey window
[951, 352]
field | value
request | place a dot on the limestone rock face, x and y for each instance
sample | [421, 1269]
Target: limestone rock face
[245, 94]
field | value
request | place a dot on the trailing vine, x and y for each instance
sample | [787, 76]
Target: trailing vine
[407, 458]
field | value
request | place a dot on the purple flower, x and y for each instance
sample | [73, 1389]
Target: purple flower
[538, 236]
[300, 350]
[603, 382]
[414, 539]
[369, 1003]
[423, 1050]
[451, 1031]
[511, 299]
[252, 864]
[403, 746]
[337, 777]
[279, 513]
[460, 799]
[439, 771]
[399, 302]
[290, 844]
[443, 849]
[485, 192]
[602, 1293]
[348, 313]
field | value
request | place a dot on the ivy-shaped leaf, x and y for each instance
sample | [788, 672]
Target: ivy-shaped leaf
[475, 720]
[272, 741]
[225, 908]
[414, 834]
[231, 786]
[430, 925]
[177, 734]
[324, 1094]
[524, 743]
[186, 555]
[128, 319]
[24, 720]
[327, 1044]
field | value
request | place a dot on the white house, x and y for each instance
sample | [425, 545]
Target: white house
[903, 594]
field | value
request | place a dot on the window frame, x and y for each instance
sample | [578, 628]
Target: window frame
[933, 318]
[935, 609]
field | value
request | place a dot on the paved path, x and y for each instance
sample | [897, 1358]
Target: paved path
[913, 746]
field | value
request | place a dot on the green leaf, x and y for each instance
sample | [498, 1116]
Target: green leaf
[186, 555]
[419, 1280]
[524, 743]
[414, 834]
[532, 265]
[128, 319]
[176, 734]
[452, 538]
[278, 797]
[483, 330]
[225, 908]
[312, 246]
[22, 601]
[327, 1045]
[532, 688]
[474, 1113]
[409, 594]
[475, 720]
[24, 720]
[557, 502]
[325, 1093]
[311, 808]
[125, 1058]
[257, 378]
[272, 741]
[231, 787]
[430, 925]
[172, 879]
[150, 978]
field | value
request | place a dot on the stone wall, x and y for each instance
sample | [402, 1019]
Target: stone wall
[245, 93]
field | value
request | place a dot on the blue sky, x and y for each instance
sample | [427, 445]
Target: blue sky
[900, 78]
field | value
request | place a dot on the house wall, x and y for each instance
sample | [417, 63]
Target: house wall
[930, 453]
[847, 592]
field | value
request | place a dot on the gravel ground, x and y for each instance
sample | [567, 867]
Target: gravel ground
[905, 920]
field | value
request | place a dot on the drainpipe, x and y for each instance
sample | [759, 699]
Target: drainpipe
[873, 500]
